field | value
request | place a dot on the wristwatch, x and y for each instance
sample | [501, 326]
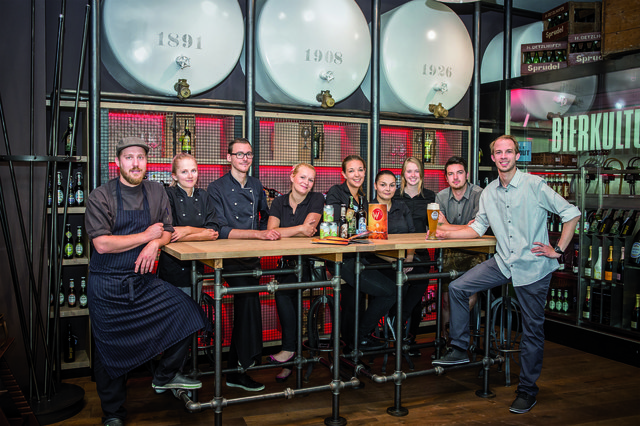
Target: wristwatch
[558, 250]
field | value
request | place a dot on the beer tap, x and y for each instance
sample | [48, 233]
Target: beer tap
[632, 177]
[608, 178]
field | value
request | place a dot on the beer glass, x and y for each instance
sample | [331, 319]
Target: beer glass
[433, 210]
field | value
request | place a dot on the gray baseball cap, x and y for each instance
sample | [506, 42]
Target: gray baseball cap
[131, 141]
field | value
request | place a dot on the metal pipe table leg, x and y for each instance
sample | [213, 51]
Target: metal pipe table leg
[335, 419]
[486, 361]
[398, 410]
[218, 347]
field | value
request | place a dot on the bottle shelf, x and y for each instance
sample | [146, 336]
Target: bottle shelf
[70, 210]
[75, 261]
[566, 275]
[82, 361]
[67, 312]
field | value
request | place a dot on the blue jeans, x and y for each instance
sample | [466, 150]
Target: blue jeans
[531, 297]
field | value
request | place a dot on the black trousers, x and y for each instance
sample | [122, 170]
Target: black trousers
[113, 391]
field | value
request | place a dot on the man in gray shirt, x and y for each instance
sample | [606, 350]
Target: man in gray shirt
[515, 206]
[458, 206]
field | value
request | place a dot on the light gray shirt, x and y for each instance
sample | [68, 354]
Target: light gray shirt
[518, 216]
[462, 211]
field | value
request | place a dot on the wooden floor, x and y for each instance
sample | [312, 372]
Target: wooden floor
[576, 388]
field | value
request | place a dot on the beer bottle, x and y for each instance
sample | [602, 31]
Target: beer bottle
[61, 296]
[60, 190]
[68, 243]
[72, 193]
[67, 140]
[316, 144]
[344, 225]
[635, 314]
[565, 302]
[606, 224]
[617, 221]
[587, 265]
[552, 302]
[608, 267]
[565, 187]
[351, 217]
[595, 222]
[71, 296]
[362, 221]
[84, 301]
[79, 244]
[428, 142]
[70, 355]
[49, 192]
[586, 306]
[186, 138]
[78, 189]
[620, 268]
[559, 301]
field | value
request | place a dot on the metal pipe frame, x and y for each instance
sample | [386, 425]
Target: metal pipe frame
[218, 402]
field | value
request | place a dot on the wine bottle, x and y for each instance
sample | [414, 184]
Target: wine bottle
[565, 302]
[70, 355]
[617, 222]
[186, 138]
[634, 256]
[565, 182]
[552, 302]
[67, 140]
[588, 264]
[595, 222]
[597, 265]
[606, 223]
[68, 243]
[79, 249]
[84, 301]
[635, 314]
[629, 224]
[620, 268]
[608, 267]
[576, 258]
[586, 306]
[71, 296]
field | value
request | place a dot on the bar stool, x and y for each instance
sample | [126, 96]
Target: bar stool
[506, 329]
[389, 337]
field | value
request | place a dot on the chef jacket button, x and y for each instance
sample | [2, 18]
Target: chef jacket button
[235, 204]
[183, 214]
[236, 217]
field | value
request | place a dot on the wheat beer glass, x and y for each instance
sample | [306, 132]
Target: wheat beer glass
[433, 210]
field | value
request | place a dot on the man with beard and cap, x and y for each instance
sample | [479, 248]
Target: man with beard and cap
[134, 315]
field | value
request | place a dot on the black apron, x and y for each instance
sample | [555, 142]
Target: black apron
[135, 317]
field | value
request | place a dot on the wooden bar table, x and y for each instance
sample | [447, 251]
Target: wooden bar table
[213, 253]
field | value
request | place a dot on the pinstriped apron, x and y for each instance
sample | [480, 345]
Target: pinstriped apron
[134, 317]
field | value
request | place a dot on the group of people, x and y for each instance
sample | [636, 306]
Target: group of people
[137, 315]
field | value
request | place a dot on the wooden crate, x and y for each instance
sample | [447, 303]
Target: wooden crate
[547, 55]
[577, 17]
[584, 49]
[620, 27]
[546, 158]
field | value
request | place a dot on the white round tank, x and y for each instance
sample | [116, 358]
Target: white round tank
[304, 47]
[426, 57]
[148, 45]
[492, 61]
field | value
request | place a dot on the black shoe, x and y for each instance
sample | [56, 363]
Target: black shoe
[179, 382]
[243, 381]
[368, 343]
[453, 356]
[113, 421]
[523, 403]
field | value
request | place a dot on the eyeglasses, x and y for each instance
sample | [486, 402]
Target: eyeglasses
[241, 155]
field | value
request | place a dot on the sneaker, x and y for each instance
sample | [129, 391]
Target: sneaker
[113, 421]
[523, 403]
[243, 381]
[368, 343]
[179, 382]
[453, 356]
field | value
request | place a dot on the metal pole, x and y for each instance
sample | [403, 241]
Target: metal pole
[250, 112]
[94, 98]
[335, 419]
[398, 410]
[217, 396]
[374, 158]
[506, 52]
[475, 113]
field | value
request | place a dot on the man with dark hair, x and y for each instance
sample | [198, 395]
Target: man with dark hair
[515, 206]
[242, 213]
[134, 315]
[458, 206]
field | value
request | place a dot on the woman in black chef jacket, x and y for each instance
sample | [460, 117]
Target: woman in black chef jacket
[413, 193]
[193, 219]
[295, 214]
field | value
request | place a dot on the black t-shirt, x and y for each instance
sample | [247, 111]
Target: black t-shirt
[280, 208]
[418, 206]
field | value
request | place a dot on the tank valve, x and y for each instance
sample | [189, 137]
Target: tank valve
[438, 110]
[183, 61]
[327, 75]
[442, 87]
[325, 99]
[182, 88]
